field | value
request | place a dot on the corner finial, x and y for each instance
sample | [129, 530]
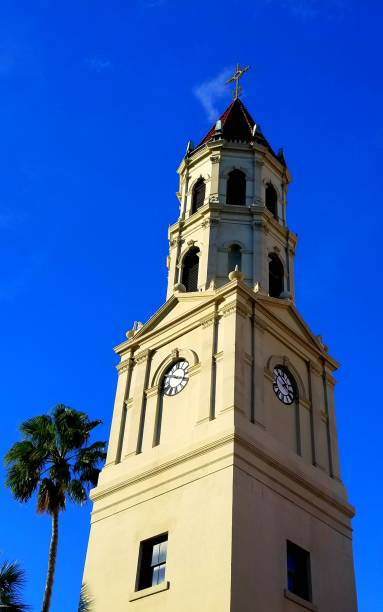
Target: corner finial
[239, 72]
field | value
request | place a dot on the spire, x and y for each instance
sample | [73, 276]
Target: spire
[237, 125]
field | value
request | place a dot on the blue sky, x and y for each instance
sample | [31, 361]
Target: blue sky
[97, 102]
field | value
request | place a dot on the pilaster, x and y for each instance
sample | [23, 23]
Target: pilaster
[209, 334]
[117, 431]
[138, 409]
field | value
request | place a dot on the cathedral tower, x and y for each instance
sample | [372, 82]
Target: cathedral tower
[222, 488]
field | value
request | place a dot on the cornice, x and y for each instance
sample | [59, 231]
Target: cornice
[124, 365]
[283, 475]
[142, 356]
[209, 320]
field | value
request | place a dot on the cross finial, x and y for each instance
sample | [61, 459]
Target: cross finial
[235, 78]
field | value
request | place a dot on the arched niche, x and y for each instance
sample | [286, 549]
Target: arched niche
[176, 355]
[285, 362]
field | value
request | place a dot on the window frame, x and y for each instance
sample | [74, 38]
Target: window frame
[197, 201]
[236, 174]
[145, 566]
[302, 572]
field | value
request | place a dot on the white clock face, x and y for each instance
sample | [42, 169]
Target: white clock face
[176, 378]
[282, 385]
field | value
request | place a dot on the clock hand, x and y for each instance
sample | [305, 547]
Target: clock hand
[177, 377]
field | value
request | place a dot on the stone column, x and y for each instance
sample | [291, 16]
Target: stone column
[214, 181]
[117, 430]
[211, 227]
[233, 359]
[138, 409]
[259, 199]
[328, 384]
[258, 408]
[206, 405]
[319, 419]
[259, 254]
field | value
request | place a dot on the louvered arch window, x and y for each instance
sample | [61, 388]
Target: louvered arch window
[271, 197]
[276, 276]
[235, 257]
[236, 188]
[190, 270]
[198, 196]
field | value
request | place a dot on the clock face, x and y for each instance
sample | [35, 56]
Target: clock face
[176, 378]
[282, 385]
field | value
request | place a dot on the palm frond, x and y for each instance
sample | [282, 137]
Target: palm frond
[77, 492]
[12, 580]
[85, 603]
[39, 430]
[22, 480]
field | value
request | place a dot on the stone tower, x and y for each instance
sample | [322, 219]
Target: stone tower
[222, 488]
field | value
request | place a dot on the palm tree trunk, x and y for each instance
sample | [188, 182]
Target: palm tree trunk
[51, 562]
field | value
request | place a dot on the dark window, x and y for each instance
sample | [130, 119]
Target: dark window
[236, 188]
[272, 200]
[198, 195]
[234, 257]
[298, 571]
[276, 276]
[190, 270]
[152, 562]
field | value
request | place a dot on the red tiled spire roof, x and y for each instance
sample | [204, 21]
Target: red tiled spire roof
[237, 125]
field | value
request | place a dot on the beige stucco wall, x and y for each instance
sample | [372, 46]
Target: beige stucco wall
[263, 520]
[223, 547]
[197, 517]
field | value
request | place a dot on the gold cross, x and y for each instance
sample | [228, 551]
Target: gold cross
[236, 76]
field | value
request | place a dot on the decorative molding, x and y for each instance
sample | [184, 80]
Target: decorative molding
[323, 494]
[210, 320]
[214, 159]
[261, 224]
[259, 325]
[152, 391]
[208, 222]
[324, 417]
[163, 586]
[300, 602]
[142, 356]
[248, 359]
[175, 241]
[123, 366]
[235, 308]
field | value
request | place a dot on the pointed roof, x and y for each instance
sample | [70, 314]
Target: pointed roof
[236, 124]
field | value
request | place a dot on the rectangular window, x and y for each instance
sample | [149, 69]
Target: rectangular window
[152, 562]
[298, 571]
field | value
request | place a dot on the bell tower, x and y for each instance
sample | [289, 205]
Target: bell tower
[222, 487]
[233, 196]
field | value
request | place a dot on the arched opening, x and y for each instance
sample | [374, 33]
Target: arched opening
[236, 188]
[190, 270]
[198, 197]
[271, 198]
[276, 276]
[234, 257]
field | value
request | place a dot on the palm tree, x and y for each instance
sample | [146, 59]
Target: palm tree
[55, 460]
[85, 603]
[12, 580]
